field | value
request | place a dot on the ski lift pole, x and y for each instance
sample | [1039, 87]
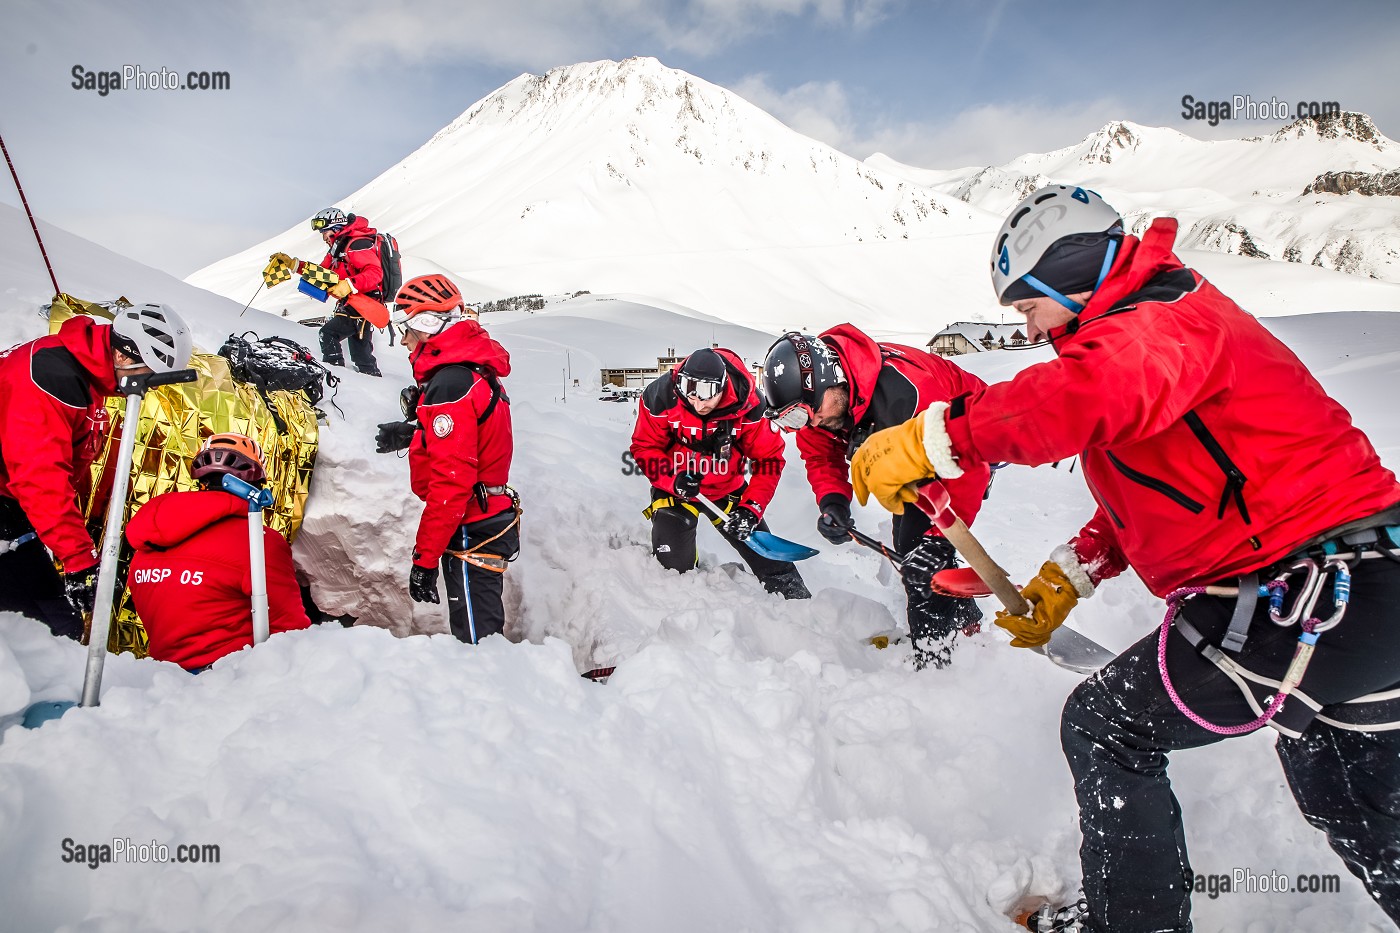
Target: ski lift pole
[258, 499]
[134, 388]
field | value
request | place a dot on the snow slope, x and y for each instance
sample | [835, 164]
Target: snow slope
[633, 177]
[750, 767]
[1269, 197]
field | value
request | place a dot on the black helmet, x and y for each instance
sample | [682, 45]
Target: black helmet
[702, 375]
[798, 369]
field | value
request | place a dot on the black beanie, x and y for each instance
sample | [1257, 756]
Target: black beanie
[1072, 265]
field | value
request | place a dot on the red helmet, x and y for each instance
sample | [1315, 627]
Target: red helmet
[237, 454]
[427, 293]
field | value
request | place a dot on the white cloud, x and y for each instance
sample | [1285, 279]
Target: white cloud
[987, 134]
[538, 34]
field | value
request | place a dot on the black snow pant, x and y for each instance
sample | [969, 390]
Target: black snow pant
[357, 330]
[934, 619]
[673, 544]
[474, 606]
[29, 583]
[1119, 725]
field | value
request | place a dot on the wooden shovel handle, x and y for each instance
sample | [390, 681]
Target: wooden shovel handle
[934, 502]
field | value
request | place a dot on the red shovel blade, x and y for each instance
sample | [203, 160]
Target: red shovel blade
[960, 581]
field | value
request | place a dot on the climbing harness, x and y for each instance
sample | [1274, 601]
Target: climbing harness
[492, 562]
[1315, 564]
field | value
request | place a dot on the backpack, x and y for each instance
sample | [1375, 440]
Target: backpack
[273, 363]
[390, 263]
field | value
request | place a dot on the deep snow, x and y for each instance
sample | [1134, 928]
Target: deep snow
[750, 766]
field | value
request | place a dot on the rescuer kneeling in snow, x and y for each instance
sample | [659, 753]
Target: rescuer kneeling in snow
[459, 444]
[191, 579]
[1216, 459]
[700, 430]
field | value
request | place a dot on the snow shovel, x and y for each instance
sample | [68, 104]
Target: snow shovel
[765, 543]
[1066, 647]
[258, 499]
[133, 387]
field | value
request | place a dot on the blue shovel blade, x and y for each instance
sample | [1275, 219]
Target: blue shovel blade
[773, 547]
[46, 711]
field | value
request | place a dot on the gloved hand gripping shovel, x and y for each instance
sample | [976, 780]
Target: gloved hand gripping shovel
[1066, 647]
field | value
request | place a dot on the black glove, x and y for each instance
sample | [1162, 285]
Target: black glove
[422, 584]
[741, 523]
[80, 588]
[394, 435]
[687, 485]
[835, 523]
[928, 557]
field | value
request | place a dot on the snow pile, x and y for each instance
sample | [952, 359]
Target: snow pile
[751, 765]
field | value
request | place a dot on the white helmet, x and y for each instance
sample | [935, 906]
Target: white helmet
[155, 335]
[1047, 216]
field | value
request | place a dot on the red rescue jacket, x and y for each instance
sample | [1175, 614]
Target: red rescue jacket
[191, 582]
[670, 438]
[52, 424]
[1209, 447]
[354, 255]
[464, 435]
[889, 384]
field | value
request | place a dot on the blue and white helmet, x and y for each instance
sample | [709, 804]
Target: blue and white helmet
[1043, 219]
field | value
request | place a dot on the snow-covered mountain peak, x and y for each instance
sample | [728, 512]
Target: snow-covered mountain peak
[1110, 139]
[558, 182]
[1345, 126]
[1318, 192]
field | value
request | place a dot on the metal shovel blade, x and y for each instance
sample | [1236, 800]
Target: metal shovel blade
[769, 545]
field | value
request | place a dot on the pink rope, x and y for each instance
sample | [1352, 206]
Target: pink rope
[1174, 601]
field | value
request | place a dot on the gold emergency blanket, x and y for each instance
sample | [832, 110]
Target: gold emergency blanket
[174, 422]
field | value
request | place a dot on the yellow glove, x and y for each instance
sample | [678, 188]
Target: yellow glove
[888, 464]
[1051, 596]
[342, 289]
[293, 265]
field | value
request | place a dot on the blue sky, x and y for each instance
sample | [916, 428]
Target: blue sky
[324, 96]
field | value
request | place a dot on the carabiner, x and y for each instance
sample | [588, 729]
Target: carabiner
[1307, 594]
[1341, 592]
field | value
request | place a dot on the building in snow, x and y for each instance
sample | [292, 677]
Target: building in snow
[972, 337]
[639, 377]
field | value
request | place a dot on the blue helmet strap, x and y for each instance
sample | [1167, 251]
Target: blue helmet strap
[1035, 283]
[1074, 306]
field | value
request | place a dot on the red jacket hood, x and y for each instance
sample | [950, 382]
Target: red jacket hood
[357, 227]
[861, 361]
[1139, 261]
[463, 342]
[91, 344]
[169, 519]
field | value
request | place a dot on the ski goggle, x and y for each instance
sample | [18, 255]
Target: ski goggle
[323, 223]
[700, 389]
[425, 323]
[793, 418]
